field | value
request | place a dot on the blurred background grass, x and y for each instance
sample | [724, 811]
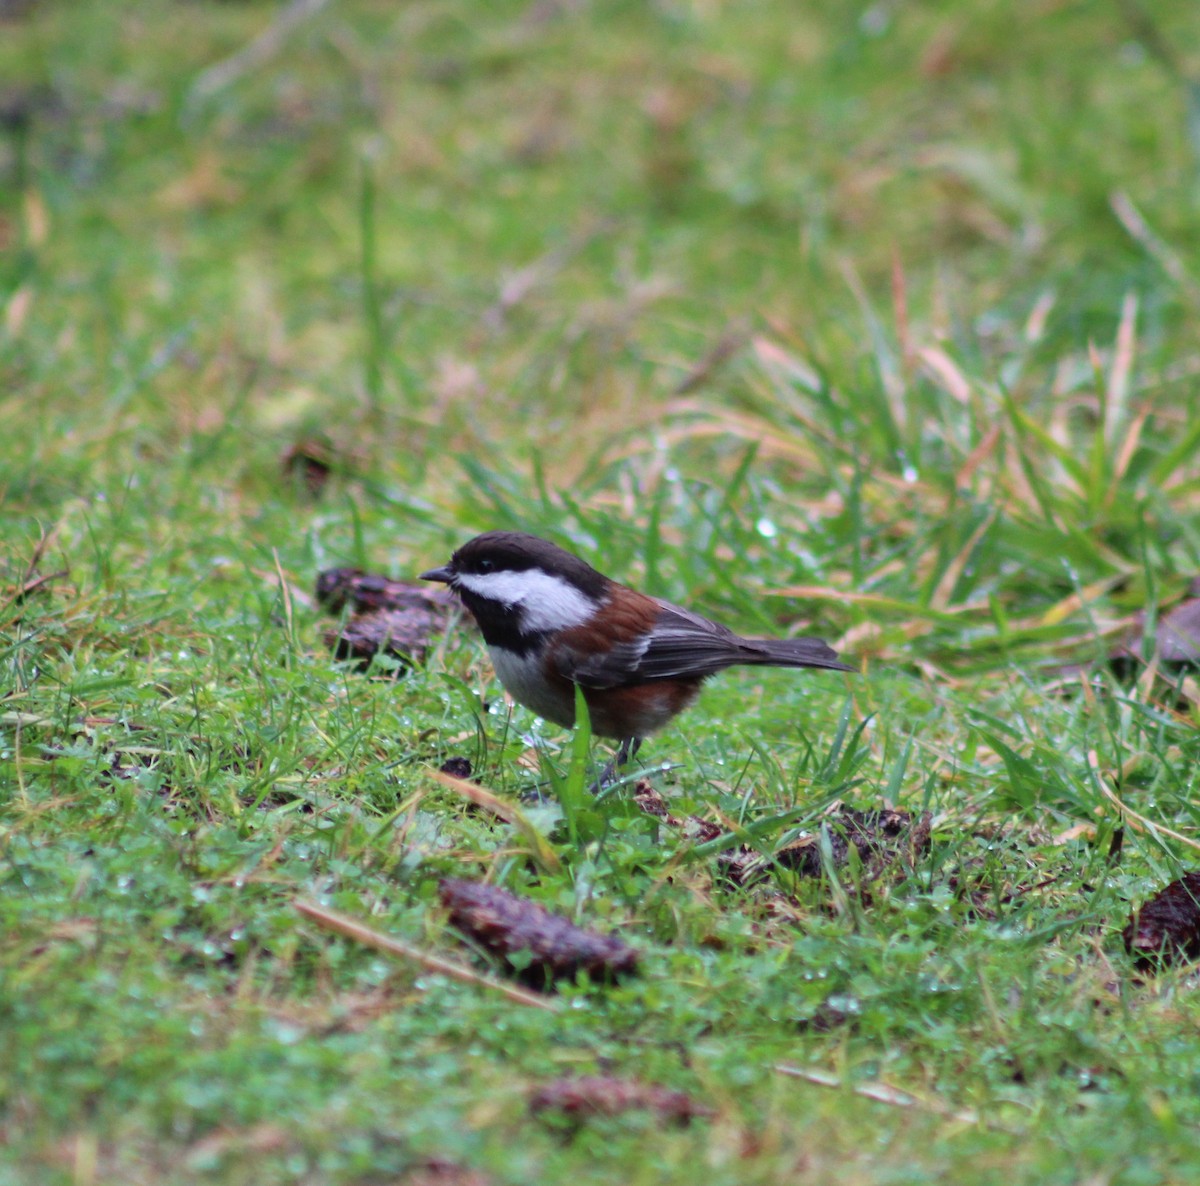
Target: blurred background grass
[188, 241]
[402, 232]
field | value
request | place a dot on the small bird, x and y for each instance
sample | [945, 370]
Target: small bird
[551, 622]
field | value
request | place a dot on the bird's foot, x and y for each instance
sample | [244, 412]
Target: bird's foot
[626, 752]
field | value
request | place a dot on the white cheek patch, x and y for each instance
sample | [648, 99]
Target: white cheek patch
[547, 602]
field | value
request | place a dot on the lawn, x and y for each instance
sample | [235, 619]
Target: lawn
[872, 321]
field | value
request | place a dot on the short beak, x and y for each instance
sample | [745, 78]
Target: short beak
[445, 574]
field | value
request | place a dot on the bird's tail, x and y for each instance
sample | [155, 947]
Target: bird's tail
[792, 652]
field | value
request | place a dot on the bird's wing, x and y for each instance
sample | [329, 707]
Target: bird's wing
[680, 644]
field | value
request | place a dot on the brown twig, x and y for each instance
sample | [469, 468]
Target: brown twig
[721, 351]
[31, 584]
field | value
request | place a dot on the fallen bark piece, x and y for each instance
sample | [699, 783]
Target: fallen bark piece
[441, 1171]
[832, 1014]
[366, 591]
[606, 1095]
[310, 463]
[392, 618]
[1177, 641]
[1167, 928]
[401, 634]
[880, 837]
[651, 802]
[1179, 634]
[547, 948]
[456, 767]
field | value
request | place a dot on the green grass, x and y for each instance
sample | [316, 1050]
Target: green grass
[877, 322]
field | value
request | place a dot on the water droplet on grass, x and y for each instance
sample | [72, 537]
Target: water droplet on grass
[876, 20]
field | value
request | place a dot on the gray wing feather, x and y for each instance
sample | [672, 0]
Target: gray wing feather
[686, 645]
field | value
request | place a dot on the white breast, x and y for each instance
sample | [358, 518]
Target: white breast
[547, 602]
[522, 678]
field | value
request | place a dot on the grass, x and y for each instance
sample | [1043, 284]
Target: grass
[872, 321]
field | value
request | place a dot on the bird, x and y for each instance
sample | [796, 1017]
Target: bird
[551, 623]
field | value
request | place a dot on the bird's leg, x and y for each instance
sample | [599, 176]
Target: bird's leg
[626, 752]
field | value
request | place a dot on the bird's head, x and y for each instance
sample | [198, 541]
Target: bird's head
[520, 585]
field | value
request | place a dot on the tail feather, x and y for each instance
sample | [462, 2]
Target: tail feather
[793, 652]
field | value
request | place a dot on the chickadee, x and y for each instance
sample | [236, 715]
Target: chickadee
[551, 621]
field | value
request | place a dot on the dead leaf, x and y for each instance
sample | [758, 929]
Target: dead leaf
[1167, 928]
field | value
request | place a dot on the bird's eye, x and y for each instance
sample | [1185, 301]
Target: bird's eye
[486, 565]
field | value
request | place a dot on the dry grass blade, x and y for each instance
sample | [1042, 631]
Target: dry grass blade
[291, 594]
[1127, 450]
[725, 347]
[893, 382]
[285, 593]
[1070, 605]
[516, 287]
[1164, 255]
[950, 378]
[540, 847]
[254, 54]
[900, 310]
[1116, 391]
[1035, 325]
[1138, 822]
[954, 570]
[720, 422]
[785, 364]
[360, 933]
[978, 456]
[45, 542]
[878, 600]
[881, 1093]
